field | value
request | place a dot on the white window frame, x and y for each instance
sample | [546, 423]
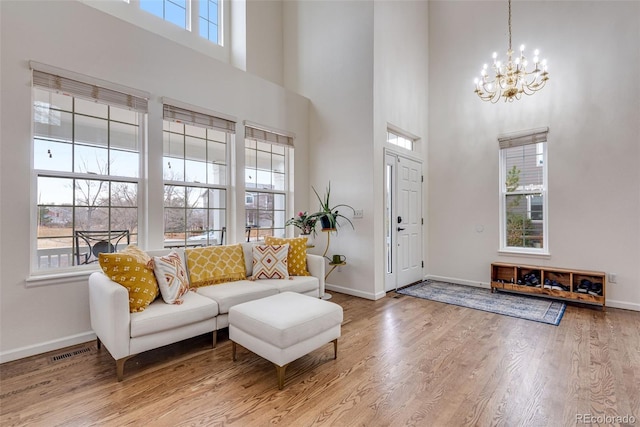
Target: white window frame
[183, 114]
[400, 139]
[132, 13]
[534, 136]
[261, 134]
[86, 88]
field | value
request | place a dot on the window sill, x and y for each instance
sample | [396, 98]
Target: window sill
[58, 278]
[539, 255]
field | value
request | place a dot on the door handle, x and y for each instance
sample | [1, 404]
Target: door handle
[400, 228]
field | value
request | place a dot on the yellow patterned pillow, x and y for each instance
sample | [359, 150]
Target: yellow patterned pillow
[297, 259]
[129, 269]
[211, 265]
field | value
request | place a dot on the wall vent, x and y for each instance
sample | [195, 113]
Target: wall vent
[64, 356]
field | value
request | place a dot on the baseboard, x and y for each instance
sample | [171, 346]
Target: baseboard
[355, 293]
[623, 305]
[457, 281]
[609, 303]
[32, 350]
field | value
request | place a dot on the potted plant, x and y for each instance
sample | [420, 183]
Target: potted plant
[328, 215]
[305, 222]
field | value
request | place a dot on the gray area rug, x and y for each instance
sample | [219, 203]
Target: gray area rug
[520, 306]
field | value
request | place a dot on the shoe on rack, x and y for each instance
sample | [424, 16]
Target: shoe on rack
[584, 287]
[596, 289]
[547, 284]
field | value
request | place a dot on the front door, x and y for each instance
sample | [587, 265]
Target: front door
[403, 221]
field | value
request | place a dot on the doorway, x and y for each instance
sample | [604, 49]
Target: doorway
[403, 220]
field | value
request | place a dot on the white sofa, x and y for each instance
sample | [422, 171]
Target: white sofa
[126, 334]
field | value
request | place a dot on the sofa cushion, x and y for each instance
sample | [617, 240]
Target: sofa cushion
[297, 259]
[300, 284]
[247, 248]
[270, 262]
[160, 317]
[215, 264]
[129, 269]
[172, 278]
[230, 294]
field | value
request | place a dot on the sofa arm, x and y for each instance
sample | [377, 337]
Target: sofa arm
[315, 265]
[110, 318]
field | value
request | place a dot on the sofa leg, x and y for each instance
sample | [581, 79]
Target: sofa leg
[98, 343]
[335, 348]
[280, 372]
[120, 367]
[215, 339]
[233, 350]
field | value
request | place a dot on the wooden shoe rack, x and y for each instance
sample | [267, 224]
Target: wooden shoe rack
[505, 276]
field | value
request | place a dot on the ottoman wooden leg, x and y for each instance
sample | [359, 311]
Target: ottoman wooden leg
[335, 348]
[280, 371]
[233, 350]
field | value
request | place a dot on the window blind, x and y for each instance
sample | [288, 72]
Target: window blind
[519, 139]
[268, 136]
[183, 115]
[91, 92]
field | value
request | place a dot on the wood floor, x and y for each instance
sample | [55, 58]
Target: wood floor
[401, 361]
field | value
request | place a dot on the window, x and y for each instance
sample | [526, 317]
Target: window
[195, 177]
[398, 140]
[174, 11]
[266, 157]
[206, 14]
[523, 192]
[208, 17]
[86, 163]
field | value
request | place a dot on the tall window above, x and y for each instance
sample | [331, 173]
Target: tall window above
[195, 176]
[200, 16]
[86, 164]
[174, 11]
[208, 20]
[266, 181]
[523, 192]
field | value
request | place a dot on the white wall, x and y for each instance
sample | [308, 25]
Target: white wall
[74, 36]
[265, 39]
[400, 99]
[329, 57]
[591, 105]
[364, 65]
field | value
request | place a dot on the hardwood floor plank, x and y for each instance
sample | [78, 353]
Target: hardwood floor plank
[402, 361]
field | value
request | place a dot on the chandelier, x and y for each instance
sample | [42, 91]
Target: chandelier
[511, 79]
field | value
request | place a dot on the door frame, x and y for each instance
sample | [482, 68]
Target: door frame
[390, 277]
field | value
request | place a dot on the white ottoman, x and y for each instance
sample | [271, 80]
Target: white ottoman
[281, 328]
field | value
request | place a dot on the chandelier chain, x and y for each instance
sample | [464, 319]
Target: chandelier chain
[509, 24]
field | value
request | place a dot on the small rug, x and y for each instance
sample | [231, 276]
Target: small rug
[520, 306]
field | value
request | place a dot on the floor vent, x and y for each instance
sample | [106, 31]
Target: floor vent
[64, 356]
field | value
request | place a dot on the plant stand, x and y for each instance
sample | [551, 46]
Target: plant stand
[333, 265]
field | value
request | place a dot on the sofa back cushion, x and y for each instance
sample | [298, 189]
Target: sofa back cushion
[211, 265]
[247, 248]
